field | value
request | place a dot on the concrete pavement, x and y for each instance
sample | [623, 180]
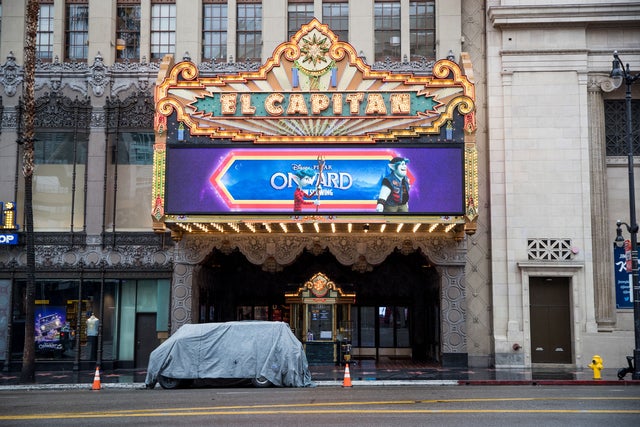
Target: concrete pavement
[362, 373]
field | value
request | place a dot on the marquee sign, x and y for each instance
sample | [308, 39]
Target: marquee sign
[315, 88]
[314, 133]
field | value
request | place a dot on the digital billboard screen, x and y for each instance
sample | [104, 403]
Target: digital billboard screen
[407, 180]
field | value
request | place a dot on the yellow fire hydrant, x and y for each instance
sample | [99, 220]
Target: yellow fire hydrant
[596, 365]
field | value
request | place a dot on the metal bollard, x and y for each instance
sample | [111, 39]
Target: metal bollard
[597, 365]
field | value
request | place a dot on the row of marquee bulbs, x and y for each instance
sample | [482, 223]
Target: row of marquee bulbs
[269, 227]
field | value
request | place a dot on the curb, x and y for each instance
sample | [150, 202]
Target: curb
[550, 382]
[356, 383]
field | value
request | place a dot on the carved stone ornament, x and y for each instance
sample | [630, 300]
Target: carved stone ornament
[11, 75]
[98, 76]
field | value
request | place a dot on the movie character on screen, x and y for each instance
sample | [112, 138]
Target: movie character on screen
[303, 178]
[394, 192]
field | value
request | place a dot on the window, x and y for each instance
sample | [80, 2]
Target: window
[214, 31]
[422, 29]
[298, 14]
[128, 31]
[394, 326]
[58, 182]
[380, 326]
[163, 30]
[336, 15]
[249, 31]
[615, 119]
[44, 36]
[129, 176]
[387, 30]
[77, 44]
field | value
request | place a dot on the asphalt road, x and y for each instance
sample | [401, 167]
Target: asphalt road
[327, 406]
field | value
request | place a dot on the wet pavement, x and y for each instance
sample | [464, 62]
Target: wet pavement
[362, 372]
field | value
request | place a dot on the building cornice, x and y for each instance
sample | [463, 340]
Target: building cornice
[575, 14]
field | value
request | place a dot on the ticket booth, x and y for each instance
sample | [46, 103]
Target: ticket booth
[320, 318]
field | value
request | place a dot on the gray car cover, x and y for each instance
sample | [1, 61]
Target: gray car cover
[244, 349]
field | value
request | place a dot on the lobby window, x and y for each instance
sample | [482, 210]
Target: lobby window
[298, 14]
[615, 119]
[128, 31]
[44, 36]
[163, 29]
[77, 34]
[214, 31]
[422, 29]
[249, 32]
[387, 30]
[336, 15]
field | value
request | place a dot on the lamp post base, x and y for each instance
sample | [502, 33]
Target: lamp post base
[636, 365]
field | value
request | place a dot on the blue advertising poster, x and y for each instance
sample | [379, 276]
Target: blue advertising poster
[624, 296]
[222, 180]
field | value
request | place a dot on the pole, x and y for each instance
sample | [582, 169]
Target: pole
[633, 230]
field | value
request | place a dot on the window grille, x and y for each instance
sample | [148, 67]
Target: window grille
[549, 249]
[615, 117]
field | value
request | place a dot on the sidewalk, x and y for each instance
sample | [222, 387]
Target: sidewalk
[364, 372]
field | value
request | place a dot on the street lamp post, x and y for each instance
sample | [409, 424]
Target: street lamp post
[621, 73]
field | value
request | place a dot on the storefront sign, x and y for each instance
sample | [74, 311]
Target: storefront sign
[8, 239]
[217, 180]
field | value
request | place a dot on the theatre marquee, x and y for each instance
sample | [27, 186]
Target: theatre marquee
[314, 136]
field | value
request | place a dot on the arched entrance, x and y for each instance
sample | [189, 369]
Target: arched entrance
[415, 281]
[396, 313]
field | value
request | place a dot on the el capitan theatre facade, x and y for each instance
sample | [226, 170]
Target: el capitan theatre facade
[317, 191]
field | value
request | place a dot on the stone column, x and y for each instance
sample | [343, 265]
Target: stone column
[604, 291]
[181, 295]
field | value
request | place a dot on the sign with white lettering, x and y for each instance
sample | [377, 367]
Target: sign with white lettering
[624, 294]
[8, 239]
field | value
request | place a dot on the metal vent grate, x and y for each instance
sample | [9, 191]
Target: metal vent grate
[549, 249]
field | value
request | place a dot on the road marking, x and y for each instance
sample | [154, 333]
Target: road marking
[336, 408]
[161, 413]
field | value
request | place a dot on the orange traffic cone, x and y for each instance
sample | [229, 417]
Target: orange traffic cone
[347, 377]
[96, 380]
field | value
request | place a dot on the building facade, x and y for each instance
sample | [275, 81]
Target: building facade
[550, 184]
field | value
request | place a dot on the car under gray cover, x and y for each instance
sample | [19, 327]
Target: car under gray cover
[255, 350]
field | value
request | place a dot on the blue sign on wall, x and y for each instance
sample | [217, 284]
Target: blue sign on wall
[624, 295]
[8, 239]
